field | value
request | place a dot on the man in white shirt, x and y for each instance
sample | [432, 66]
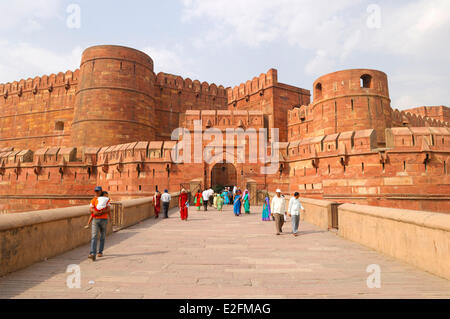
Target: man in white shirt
[165, 199]
[205, 195]
[294, 211]
[278, 210]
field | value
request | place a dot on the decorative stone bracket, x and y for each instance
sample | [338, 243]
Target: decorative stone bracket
[105, 165]
[3, 168]
[37, 166]
[343, 157]
[426, 157]
[281, 168]
[315, 160]
[384, 158]
[140, 166]
[62, 166]
[343, 160]
[17, 169]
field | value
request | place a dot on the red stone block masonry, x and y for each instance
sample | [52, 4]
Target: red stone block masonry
[110, 122]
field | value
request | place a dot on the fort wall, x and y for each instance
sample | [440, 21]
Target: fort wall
[348, 100]
[348, 167]
[38, 111]
[411, 172]
[439, 113]
[110, 123]
[114, 101]
[266, 94]
[175, 95]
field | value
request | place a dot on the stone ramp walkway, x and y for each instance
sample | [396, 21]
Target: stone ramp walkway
[218, 255]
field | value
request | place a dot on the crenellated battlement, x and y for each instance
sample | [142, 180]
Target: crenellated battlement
[406, 118]
[224, 119]
[165, 80]
[45, 82]
[110, 123]
[304, 113]
[256, 85]
[408, 139]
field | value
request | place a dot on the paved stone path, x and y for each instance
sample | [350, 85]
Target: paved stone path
[217, 255]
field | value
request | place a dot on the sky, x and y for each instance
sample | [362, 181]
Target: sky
[230, 41]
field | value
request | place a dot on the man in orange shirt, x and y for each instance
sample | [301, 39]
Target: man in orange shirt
[99, 224]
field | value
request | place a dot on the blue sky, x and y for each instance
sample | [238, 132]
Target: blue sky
[229, 41]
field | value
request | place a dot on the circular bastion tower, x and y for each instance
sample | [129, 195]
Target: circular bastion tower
[114, 102]
[351, 100]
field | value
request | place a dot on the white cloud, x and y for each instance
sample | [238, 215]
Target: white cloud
[23, 60]
[28, 15]
[172, 60]
[336, 33]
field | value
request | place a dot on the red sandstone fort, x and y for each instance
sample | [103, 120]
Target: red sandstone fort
[109, 123]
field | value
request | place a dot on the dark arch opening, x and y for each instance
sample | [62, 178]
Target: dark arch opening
[59, 125]
[223, 174]
[318, 90]
[366, 81]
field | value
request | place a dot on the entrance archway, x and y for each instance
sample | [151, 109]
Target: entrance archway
[223, 174]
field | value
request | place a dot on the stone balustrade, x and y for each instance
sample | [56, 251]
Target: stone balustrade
[30, 237]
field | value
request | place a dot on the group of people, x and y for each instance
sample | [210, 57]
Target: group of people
[278, 212]
[163, 199]
[100, 209]
[227, 196]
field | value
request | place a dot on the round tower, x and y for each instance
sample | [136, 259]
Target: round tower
[114, 102]
[350, 100]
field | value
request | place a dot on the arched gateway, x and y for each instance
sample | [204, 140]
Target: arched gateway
[223, 174]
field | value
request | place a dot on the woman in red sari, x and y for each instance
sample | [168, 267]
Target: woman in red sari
[183, 204]
[157, 203]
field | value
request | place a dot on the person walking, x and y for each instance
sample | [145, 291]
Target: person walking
[99, 223]
[157, 203]
[215, 200]
[183, 203]
[294, 212]
[266, 208]
[237, 203]
[246, 200]
[211, 196]
[198, 200]
[219, 202]
[278, 210]
[230, 196]
[205, 196]
[224, 196]
[165, 199]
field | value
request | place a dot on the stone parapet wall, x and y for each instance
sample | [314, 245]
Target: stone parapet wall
[27, 238]
[416, 237]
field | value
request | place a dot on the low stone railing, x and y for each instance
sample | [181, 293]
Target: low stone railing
[417, 237]
[317, 212]
[27, 238]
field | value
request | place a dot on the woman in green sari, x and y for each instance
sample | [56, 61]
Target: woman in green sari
[246, 201]
[219, 202]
